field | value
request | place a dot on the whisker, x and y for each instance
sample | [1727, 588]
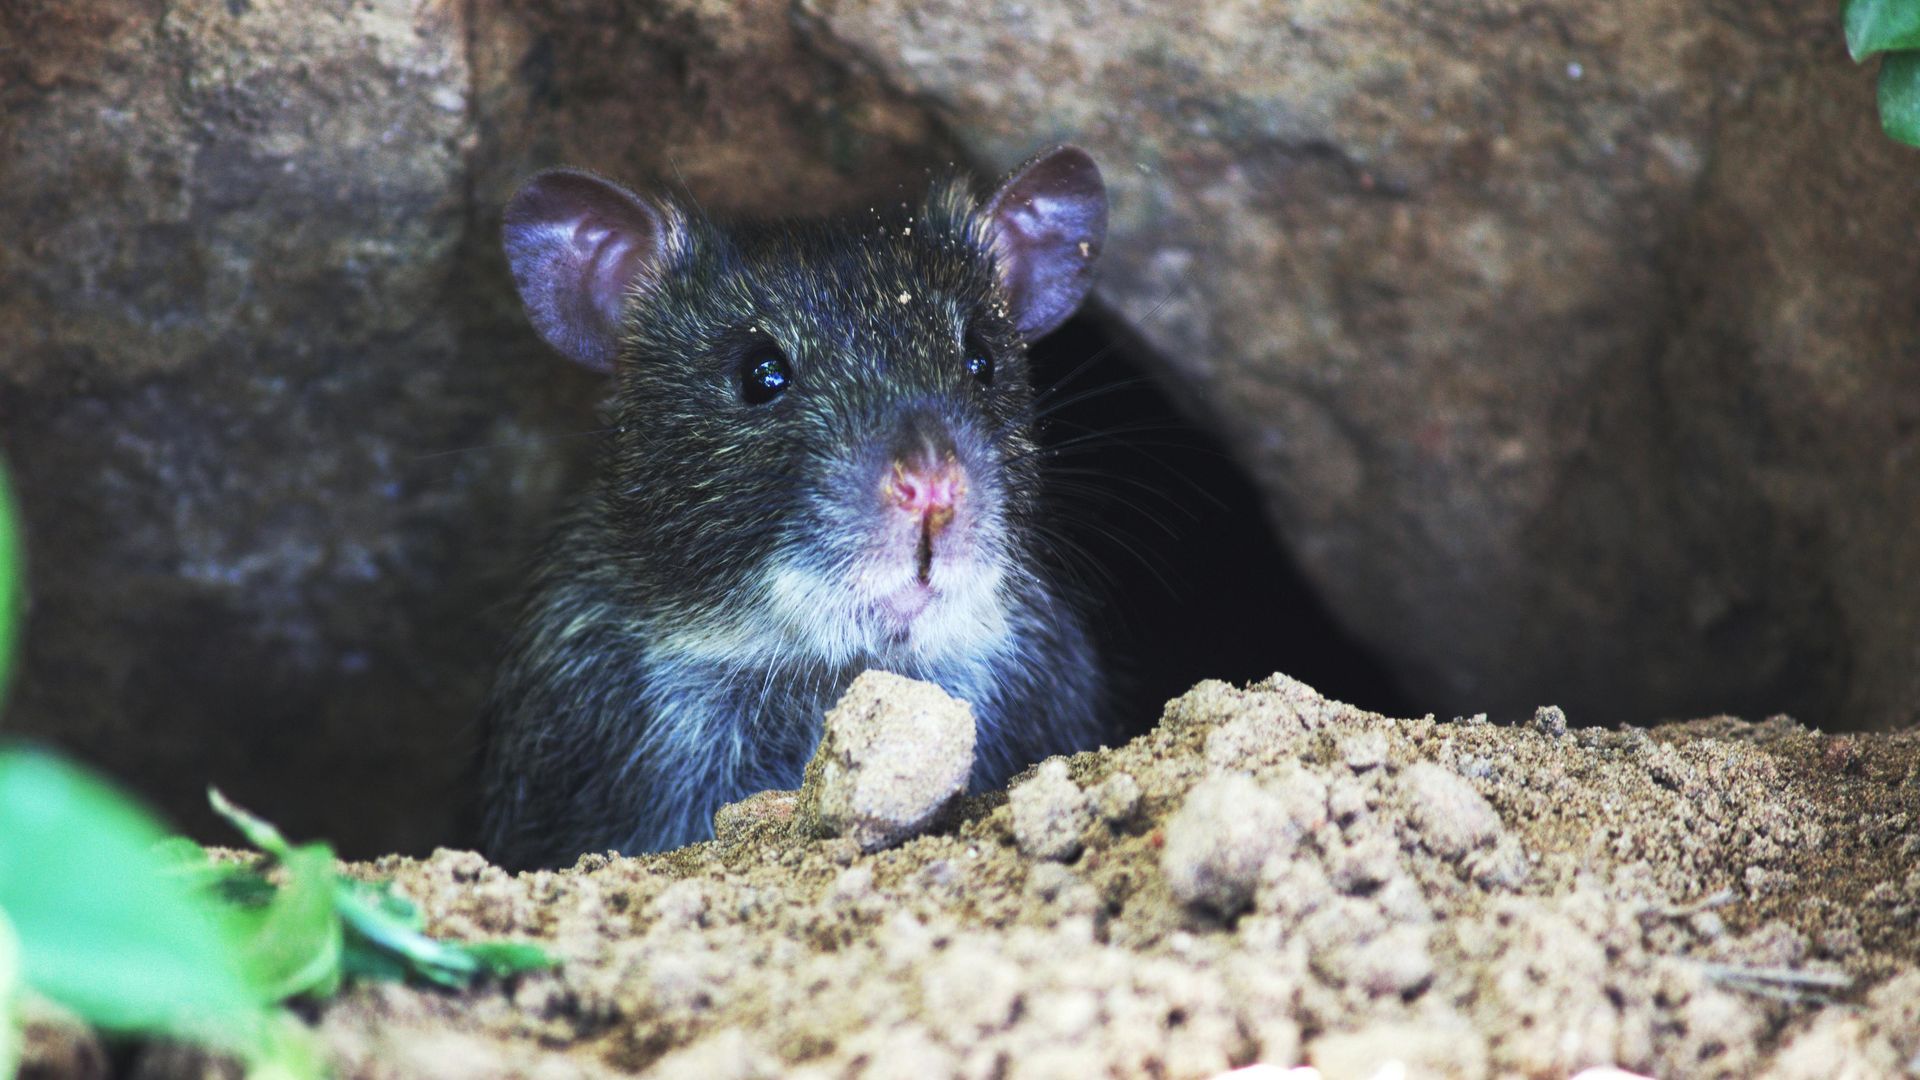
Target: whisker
[673, 161]
[1127, 544]
[1092, 573]
[1142, 449]
[1039, 410]
[1104, 351]
[1095, 438]
[1101, 496]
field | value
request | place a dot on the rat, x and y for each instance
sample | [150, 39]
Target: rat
[821, 460]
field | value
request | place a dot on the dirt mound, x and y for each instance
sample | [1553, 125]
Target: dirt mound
[1267, 876]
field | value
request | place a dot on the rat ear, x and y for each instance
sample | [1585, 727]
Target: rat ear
[577, 246]
[1047, 222]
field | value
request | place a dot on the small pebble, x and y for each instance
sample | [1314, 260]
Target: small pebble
[1049, 812]
[1550, 720]
[894, 753]
[1228, 828]
[1117, 798]
[1449, 815]
[853, 886]
[736, 820]
[1394, 964]
[1347, 801]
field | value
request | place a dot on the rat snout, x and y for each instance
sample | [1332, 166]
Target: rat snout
[927, 488]
[922, 490]
[924, 477]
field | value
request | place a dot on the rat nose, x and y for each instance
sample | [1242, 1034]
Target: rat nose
[927, 488]
[925, 478]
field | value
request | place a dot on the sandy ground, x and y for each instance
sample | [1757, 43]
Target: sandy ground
[1266, 877]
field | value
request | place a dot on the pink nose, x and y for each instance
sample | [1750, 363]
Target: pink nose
[928, 490]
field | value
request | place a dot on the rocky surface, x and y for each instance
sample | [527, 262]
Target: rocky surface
[1571, 343]
[1709, 899]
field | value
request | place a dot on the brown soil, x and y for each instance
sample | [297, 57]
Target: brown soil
[1267, 876]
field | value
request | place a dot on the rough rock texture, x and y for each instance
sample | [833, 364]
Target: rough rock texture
[894, 753]
[1713, 899]
[1567, 339]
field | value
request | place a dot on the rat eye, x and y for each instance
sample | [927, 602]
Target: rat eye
[764, 374]
[979, 361]
[980, 366]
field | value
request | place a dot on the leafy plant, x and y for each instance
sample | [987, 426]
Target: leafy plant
[106, 928]
[140, 933]
[334, 926]
[1891, 27]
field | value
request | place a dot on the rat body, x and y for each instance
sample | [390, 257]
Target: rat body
[822, 462]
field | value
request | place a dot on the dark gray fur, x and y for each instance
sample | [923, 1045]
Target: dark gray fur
[656, 674]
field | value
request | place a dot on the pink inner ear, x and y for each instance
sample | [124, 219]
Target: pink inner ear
[614, 259]
[1049, 220]
[577, 244]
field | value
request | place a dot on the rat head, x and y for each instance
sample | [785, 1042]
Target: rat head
[824, 442]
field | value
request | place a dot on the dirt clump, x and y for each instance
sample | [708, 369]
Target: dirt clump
[1049, 812]
[893, 754]
[1266, 876]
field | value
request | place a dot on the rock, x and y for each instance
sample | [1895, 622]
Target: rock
[1117, 798]
[1395, 964]
[764, 810]
[1364, 866]
[1049, 812]
[1451, 818]
[1550, 720]
[893, 754]
[1226, 831]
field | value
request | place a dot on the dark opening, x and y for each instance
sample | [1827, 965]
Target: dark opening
[1191, 582]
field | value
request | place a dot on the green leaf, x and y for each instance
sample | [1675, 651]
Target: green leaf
[294, 938]
[104, 928]
[1875, 26]
[13, 578]
[294, 942]
[288, 1051]
[258, 831]
[380, 931]
[384, 941]
[1900, 97]
[359, 931]
[503, 958]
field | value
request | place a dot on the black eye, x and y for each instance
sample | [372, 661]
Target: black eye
[980, 364]
[764, 375]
